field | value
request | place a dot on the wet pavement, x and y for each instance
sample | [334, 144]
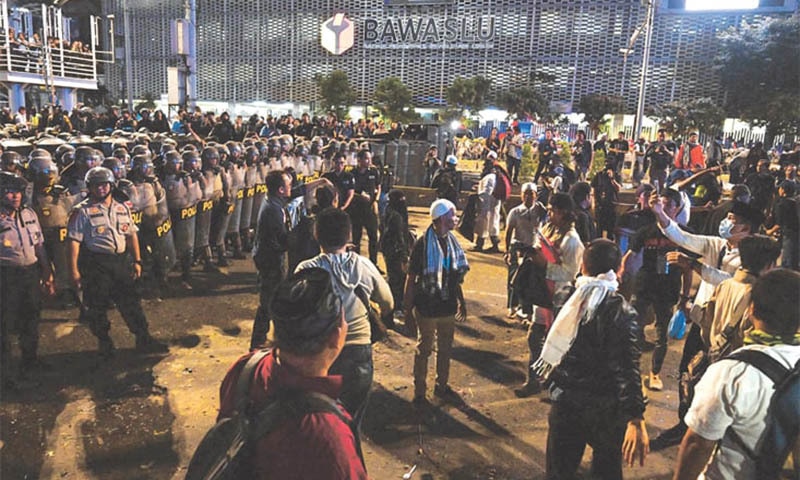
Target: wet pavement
[140, 416]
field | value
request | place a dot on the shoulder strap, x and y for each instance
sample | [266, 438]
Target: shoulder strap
[722, 253]
[762, 361]
[246, 379]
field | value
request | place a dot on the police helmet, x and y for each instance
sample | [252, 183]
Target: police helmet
[191, 160]
[11, 159]
[98, 175]
[11, 182]
[141, 164]
[141, 150]
[189, 147]
[39, 153]
[251, 156]
[274, 147]
[352, 146]
[234, 149]
[173, 159]
[210, 157]
[86, 157]
[42, 171]
[116, 166]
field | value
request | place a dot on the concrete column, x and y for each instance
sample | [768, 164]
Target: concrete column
[67, 98]
[16, 96]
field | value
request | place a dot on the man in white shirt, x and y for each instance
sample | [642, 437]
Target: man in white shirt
[487, 225]
[522, 226]
[733, 396]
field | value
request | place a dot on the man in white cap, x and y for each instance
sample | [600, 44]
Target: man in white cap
[434, 297]
[487, 224]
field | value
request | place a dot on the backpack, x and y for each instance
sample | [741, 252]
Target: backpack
[502, 187]
[226, 450]
[780, 435]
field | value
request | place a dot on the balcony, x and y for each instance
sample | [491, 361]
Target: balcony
[54, 66]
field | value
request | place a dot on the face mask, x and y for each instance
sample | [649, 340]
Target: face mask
[725, 227]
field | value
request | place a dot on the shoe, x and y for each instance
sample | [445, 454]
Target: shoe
[185, 285]
[106, 348]
[147, 344]
[476, 249]
[492, 249]
[420, 402]
[669, 437]
[512, 312]
[223, 261]
[445, 392]
[655, 382]
[528, 389]
[210, 268]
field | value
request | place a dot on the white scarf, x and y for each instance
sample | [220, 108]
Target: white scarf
[589, 293]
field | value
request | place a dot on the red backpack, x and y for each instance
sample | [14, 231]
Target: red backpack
[502, 187]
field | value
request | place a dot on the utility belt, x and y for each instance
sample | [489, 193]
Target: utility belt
[87, 255]
[12, 270]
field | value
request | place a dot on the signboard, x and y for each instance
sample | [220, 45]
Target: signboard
[337, 34]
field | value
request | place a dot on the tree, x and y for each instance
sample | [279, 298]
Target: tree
[393, 99]
[595, 107]
[148, 102]
[525, 102]
[467, 94]
[678, 118]
[336, 92]
[759, 71]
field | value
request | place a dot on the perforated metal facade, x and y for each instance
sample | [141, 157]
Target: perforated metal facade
[270, 50]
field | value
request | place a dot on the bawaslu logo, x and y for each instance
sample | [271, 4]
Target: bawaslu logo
[337, 34]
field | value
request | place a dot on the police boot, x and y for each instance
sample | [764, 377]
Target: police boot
[105, 347]
[206, 258]
[478, 245]
[247, 239]
[236, 241]
[495, 246]
[221, 260]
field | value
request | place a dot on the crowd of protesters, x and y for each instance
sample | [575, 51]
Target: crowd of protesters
[583, 271]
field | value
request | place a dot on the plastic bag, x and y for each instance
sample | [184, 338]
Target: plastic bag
[677, 325]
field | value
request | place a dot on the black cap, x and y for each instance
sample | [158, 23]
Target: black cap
[305, 308]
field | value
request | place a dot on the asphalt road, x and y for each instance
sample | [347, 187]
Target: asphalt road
[140, 417]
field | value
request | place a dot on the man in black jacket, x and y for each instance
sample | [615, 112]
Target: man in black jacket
[591, 358]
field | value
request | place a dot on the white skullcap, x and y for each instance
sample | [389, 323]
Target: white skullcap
[529, 186]
[492, 154]
[441, 207]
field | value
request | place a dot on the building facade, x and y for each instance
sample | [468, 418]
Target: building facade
[271, 50]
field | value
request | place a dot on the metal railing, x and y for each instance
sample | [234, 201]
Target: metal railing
[16, 57]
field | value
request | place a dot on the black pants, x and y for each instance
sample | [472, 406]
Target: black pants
[663, 310]
[363, 216]
[268, 280]
[396, 278]
[20, 308]
[606, 221]
[692, 345]
[107, 280]
[572, 426]
[513, 165]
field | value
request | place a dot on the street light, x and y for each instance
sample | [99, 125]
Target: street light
[648, 37]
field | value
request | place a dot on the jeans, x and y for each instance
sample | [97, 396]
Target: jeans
[663, 311]
[354, 364]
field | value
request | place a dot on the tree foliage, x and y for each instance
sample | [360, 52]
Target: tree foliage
[524, 103]
[336, 93]
[469, 93]
[393, 99]
[759, 70]
[596, 106]
[148, 101]
[678, 118]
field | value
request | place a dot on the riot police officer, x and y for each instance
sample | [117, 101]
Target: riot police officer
[105, 262]
[183, 193]
[151, 214]
[52, 204]
[221, 215]
[236, 169]
[211, 195]
[251, 177]
[74, 174]
[23, 265]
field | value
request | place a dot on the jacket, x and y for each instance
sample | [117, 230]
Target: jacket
[601, 369]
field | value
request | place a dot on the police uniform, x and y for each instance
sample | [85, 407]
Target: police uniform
[148, 204]
[251, 177]
[183, 194]
[220, 217]
[52, 208]
[20, 298]
[106, 271]
[237, 192]
[211, 195]
[363, 209]
[262, 169]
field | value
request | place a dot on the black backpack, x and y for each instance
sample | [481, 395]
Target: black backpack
[780, 435]
[226, 450]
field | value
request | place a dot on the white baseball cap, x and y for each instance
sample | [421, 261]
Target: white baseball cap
[441, 207]
[530, 186]
[492, 154]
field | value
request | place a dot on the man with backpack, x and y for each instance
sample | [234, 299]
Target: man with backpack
[743, 420]
[311, 436]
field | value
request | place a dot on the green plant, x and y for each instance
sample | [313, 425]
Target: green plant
[565, 153]
[393, 99]
[148, 101]
[595, 107]
[528, 162]
[336, 93]
[598, 163]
